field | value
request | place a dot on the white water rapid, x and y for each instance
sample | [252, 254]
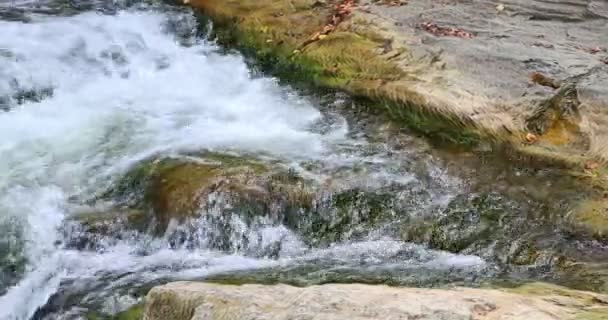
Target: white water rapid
[89, 95]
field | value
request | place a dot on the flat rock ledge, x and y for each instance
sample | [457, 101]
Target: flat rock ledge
[209, 301]
[530, 74]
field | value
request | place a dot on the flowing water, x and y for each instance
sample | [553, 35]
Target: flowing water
[90, 89]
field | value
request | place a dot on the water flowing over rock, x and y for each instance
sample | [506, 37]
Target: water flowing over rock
[138, 149]
[207, 301]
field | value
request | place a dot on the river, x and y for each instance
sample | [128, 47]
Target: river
[90, 89]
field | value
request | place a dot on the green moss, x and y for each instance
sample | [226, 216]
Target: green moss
[134, 313]
[442, 129]
[346, 61]
[345, 215]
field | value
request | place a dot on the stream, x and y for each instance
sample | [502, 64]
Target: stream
[90, 90]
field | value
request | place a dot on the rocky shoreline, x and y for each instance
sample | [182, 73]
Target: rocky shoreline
[534, 80]
[517, 76]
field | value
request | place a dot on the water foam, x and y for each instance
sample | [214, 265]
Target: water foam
[123, 88]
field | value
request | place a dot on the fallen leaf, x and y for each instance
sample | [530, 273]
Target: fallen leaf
[544, 80]
[531, 138]
[592, 165]
[595, 50]
[341, 11]
[433, 28]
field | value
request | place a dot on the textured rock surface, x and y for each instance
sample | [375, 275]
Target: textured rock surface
[206, 301]
[534, 73]
[487, 78]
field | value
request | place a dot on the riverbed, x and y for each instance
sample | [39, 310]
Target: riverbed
[91, 90]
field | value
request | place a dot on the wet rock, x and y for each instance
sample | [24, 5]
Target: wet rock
[14, 14]
[525, 241]
[94, 230]
[180, 189]
[12, 259]
[205, 301]
[592, 217]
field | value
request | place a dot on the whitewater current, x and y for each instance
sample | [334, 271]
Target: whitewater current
[85, 97]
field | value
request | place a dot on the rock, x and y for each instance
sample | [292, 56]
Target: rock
[180, 189]
[90, 230]
[460, 89]
[207, 301]
[592, 216]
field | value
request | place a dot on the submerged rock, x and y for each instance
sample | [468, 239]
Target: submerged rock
[205, 301]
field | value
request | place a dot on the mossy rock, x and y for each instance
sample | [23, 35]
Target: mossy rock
[466, 223]
[180, 189]
[350, 59]
[513, 237]
[592, 216]
[345, 215]
[104, 222]
[159, 191]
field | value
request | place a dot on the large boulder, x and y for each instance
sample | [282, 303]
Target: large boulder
[207, 301]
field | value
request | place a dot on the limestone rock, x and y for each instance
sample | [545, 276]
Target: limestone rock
[206, 301]
[466, 62]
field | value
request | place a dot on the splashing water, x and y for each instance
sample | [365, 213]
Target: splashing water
[90, 95]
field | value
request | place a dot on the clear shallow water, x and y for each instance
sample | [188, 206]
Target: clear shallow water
[90, 95]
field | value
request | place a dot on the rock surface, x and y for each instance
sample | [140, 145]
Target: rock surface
[533, 74]
[181, 189]
[207, 301]
[489, 78]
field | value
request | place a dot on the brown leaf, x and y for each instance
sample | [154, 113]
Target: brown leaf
[544, 80]
[592, 165]
[531, 137]
[433, 28]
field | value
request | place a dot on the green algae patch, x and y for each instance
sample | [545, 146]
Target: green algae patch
[134, 313]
